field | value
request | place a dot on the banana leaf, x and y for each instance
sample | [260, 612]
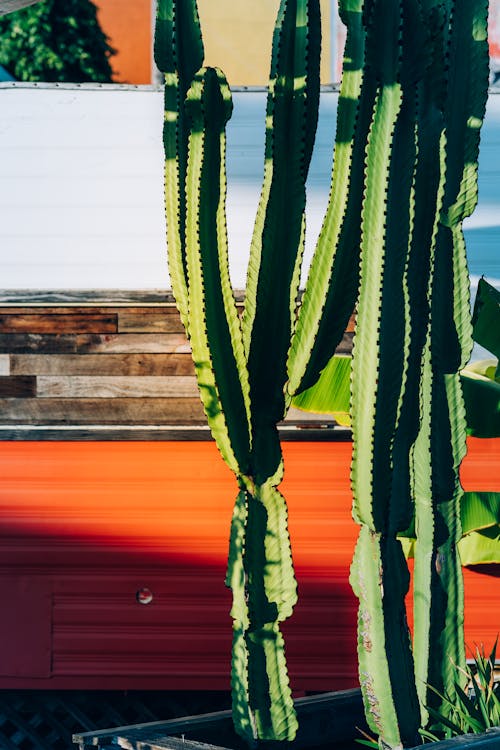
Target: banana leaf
[480, 517]
[479, 510]
[331, 394]
[480, 547]
[481, 390]
[486, 317]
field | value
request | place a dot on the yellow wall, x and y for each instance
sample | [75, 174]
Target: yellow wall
[238, 35]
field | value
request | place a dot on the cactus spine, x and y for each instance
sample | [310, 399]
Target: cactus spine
[404, 178]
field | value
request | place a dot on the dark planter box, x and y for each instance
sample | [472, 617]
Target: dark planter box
[328, 722]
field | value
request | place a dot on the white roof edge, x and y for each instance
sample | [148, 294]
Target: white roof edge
[8, 6]
[127, 86]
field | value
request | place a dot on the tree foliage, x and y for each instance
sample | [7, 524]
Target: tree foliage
[56, 40]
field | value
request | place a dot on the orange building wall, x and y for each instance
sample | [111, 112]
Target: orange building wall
[128, 26]
[84, 526]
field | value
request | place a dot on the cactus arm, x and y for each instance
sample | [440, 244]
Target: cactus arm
[214, 329]
[260, 567]
[378, 380]
[380, 580]
[439, 627]
[383, 423]
[260, 572]
[277, 242]
[365, 365]
[178, 51]
[324, 312]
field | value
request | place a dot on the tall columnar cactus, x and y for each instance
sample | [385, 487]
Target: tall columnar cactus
[413, 337]
[241, 367]
[411, 103]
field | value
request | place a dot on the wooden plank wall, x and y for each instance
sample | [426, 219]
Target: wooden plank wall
[105, 363]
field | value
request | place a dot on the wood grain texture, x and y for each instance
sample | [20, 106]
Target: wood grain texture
[92, 358]
[38, 343]
[154, 433]
[57, 323]
[87, 297]
[102, 364]
[81, 411]
[90, 298]
[154, 343]
[149, 322]
[80, 386]
[23, 386]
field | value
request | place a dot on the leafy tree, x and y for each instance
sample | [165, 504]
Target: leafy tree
[56, 40]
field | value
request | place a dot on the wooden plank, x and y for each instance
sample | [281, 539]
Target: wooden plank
[154, 343]
[88, 297]
[167, 309]
[23, 386]
[102, 364]
[163, 742]
[345, 346]
[109, 433]
[57, 323]
[49, 411]
[38, 343]
[146, 322]
[324, 719]
[91, 297]
[81, 386]
[4, 364]
[153, 433]
[298, 416]
[93, 343]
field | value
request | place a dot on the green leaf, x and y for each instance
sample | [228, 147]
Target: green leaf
[481, 547]
[482, 399]
[479, 510]
[332, 393]
[486, 317]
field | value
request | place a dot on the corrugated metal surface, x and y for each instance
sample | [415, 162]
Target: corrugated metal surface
[81, 186]
[95, 523]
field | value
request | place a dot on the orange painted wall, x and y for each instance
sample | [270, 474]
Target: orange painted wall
[84, 526]
[128, 25]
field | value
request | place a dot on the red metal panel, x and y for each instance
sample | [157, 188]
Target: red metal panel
[95, 523]
[25, 626]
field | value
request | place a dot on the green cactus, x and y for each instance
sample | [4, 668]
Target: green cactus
[241, 372]
[412, 338]
[404, 178]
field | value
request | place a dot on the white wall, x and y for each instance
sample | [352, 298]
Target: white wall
[81, 186]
